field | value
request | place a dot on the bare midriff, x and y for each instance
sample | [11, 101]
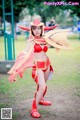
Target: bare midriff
[41, 56]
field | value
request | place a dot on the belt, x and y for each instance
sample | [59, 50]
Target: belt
[42, 64]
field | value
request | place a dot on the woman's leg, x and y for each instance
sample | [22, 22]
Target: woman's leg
[41, 87]
[42, 101]
[46, 74]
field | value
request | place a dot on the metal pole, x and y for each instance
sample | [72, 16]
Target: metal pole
[13, 28]
[3, 2]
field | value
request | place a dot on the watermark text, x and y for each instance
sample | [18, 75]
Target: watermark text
[61, 3]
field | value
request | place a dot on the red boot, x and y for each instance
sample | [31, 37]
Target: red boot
[34, 112]
[44, 102]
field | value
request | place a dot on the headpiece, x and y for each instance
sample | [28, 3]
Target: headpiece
[36, 22]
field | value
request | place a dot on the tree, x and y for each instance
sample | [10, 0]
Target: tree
[49, 11]
[38, 7]
[18, 6]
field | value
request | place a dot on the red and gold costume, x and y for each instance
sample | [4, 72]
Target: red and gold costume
[26, 59]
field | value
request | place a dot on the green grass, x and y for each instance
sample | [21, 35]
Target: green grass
[66, 66]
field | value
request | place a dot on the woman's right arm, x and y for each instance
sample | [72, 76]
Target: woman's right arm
[23, 56]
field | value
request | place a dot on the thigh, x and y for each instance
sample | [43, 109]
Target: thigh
[46, 74]
[41, 78]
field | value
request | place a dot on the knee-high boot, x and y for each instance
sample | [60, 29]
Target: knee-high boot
[34, 111]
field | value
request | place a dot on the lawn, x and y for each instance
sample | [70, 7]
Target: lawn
[66, 75]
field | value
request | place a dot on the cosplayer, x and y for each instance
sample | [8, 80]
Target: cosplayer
[34, 56]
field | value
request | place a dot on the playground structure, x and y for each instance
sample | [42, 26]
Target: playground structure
[9, 46]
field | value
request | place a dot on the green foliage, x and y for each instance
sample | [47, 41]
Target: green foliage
[19, 5]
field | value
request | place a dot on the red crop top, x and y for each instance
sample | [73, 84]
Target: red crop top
[38, 48]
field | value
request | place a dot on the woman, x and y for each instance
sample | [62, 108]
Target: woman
[35, 56]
